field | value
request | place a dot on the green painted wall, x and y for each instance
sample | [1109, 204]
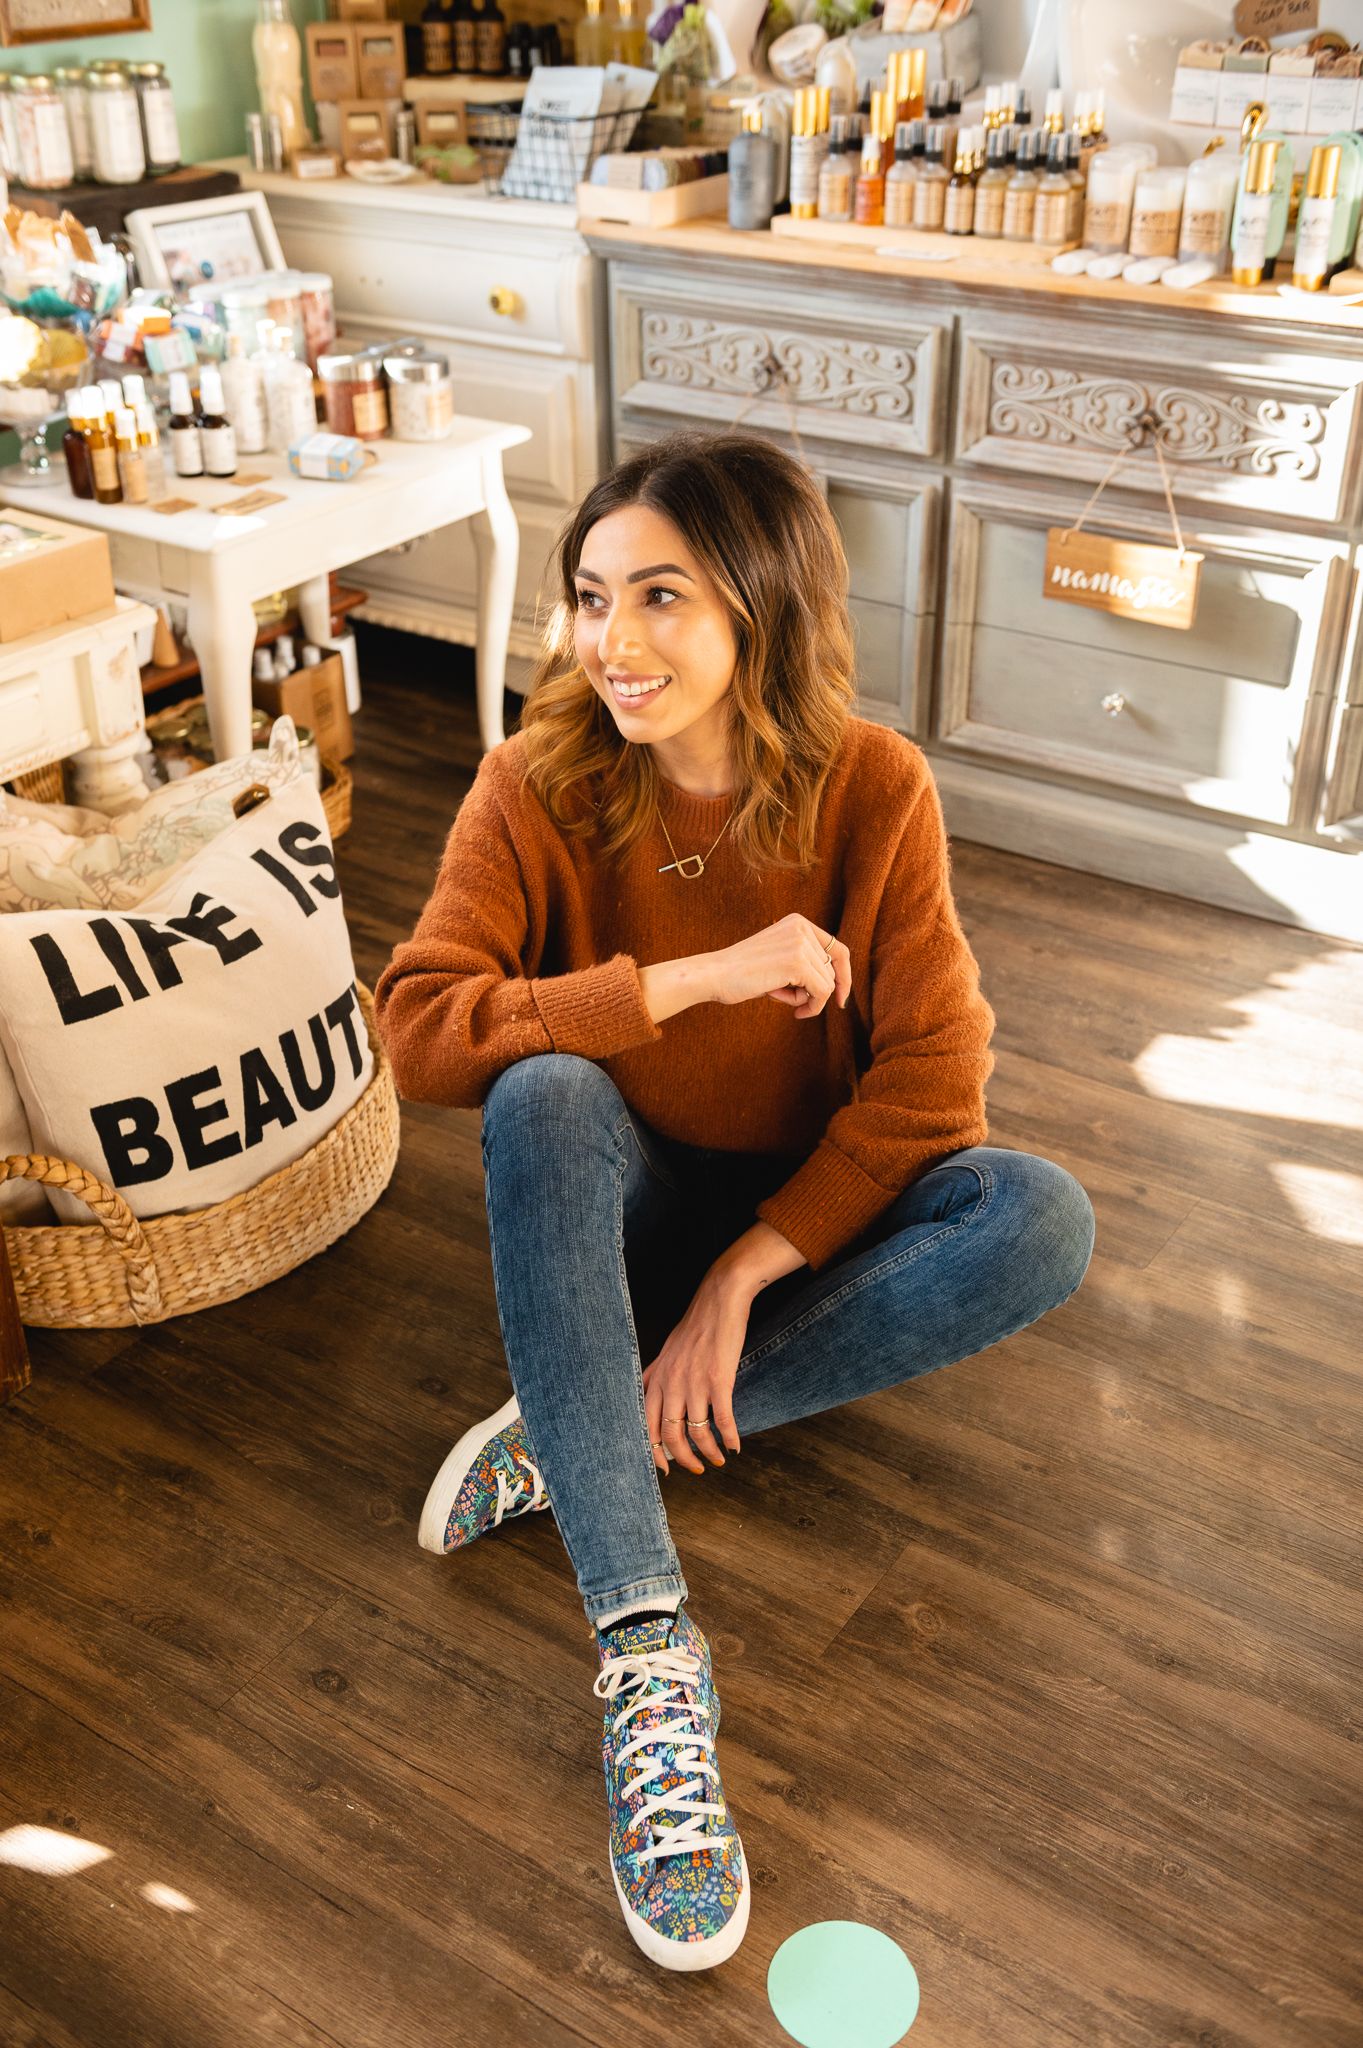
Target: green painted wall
[205, 46]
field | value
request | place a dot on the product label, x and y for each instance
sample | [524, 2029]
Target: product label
[1251, 241]
[1154, 231]
[1105, 224]
[1019, 215]
[1204, 231]
[371, 411]
[1314, 222]
[219, 450]
[104, 468]
[1334, 102]
[1195, 95]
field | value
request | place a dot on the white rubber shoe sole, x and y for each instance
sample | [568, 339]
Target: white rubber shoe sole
[687, 1955]
[444, 1491]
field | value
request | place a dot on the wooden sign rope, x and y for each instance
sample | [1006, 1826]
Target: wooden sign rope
[1153, 584]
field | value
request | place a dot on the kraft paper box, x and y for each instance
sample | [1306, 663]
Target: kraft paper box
[441, 124]
[332, 72]
[314, 697]
[50, 572]
[380, 61]
[368, 124]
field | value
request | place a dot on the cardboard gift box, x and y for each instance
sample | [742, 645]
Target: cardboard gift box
[316, 697]
[332, 70]
[50, 572]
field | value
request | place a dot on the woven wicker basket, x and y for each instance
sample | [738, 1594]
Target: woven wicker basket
[46, 786]
[118, 1271]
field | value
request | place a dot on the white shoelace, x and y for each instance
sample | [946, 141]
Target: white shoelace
[508, 1496]
[677, 1667]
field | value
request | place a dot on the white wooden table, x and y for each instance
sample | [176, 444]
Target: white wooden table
[223, 563]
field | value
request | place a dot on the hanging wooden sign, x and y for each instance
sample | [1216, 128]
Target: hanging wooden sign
[1275, 17]
[1156, 585]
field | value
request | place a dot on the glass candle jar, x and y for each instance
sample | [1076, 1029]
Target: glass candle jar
[71, 85]
[420, 397]
[353, 395]
[338, 402]
[44, 140]
[115, 128]
[160, 129]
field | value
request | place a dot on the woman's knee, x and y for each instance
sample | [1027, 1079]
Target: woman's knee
[1052, 1218]
[563, 1085]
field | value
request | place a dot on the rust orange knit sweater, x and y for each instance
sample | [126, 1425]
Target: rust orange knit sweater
[529, 945]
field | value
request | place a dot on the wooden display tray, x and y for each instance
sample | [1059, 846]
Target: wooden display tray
[991, 249]
[655, 209]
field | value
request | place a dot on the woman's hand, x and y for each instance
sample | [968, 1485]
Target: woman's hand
[694, 1374]
[787, 962]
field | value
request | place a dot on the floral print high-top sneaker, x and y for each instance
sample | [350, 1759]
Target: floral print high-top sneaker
[487, 1478]
[679, 1869]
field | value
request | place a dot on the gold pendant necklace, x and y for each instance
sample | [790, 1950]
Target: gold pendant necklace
[681, 865]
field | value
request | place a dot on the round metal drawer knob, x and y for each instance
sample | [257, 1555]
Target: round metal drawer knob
[1114, 704]
[504, 301]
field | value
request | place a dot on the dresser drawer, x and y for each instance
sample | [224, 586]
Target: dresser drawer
[1229, 716]
[411, 273]
[845, 367]
[1263, 428]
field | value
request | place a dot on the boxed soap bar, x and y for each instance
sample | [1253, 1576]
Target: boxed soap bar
[334, 457]
[332, 71]
[50, 572]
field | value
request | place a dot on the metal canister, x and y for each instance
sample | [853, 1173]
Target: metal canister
[404, 135]
[274, 143]
[255, 141]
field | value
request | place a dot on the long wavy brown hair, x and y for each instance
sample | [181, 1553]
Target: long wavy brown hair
[759, 523]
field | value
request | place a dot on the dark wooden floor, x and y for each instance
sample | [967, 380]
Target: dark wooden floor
[1049, 1665]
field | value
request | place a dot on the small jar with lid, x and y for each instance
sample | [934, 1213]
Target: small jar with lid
[353, 395]
[160, 129]
[115, 126]
[44, 139]
[70, 80]
[420, 396]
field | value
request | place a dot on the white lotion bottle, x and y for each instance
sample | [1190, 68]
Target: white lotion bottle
[243, 390]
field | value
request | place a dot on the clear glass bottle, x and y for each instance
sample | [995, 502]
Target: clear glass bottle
[958, 212]
[992, 189]
[930, 185]
[869, 210]
[1076, 171]
[838, 175]
[278, 58]
[1053, 121]
[901, 178]
[1019, 199]
[243, 390]
[629, 39]
[153, 453]
[1054, 198]
[592, 37]
[752, 174]
[160, 129]
[837, 70]
[132, 468]
[809, 143]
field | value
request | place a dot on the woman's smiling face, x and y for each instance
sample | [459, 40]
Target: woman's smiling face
[650, 621]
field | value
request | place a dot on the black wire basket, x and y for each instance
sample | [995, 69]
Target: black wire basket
[544, 156]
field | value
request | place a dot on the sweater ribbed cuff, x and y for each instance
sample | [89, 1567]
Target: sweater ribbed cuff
[825, 1204]
[597, 1010]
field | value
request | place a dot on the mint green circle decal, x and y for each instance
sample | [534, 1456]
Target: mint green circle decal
[840, 1984]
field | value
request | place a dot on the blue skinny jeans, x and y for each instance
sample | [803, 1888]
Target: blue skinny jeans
[601, 1230]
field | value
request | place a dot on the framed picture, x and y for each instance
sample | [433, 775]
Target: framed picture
[204, 242]
[49, 21]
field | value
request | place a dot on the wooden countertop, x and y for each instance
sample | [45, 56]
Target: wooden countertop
[712, 236]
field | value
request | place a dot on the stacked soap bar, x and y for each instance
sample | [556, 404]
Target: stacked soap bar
[654, 170]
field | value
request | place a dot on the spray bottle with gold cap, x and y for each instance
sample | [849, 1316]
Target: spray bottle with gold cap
[809, 140]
